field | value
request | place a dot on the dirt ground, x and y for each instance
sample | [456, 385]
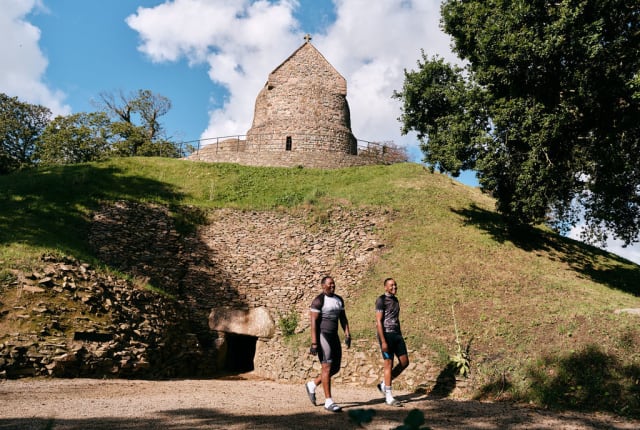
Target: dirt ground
[247, 403]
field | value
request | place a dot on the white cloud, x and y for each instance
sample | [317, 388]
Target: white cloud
[370, 44]
[241, 41]
[23, 64]
[188, 28]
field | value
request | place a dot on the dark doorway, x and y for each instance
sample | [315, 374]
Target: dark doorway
[288, 144]
[241, 350]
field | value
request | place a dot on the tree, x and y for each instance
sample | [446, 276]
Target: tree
[131, 140]
[20, 126]
[76, 138]
[547, 110]
[150, 107]
[136, 121]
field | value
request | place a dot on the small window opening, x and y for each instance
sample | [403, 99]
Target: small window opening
[288, 144]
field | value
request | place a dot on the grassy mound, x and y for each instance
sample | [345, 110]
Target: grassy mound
[539, 313]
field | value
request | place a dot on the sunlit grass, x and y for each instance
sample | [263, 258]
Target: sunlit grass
[517, 296]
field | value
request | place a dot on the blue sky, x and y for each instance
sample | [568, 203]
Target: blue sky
[211, 57]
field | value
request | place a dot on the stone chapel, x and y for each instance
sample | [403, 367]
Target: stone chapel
[301, 118]
[303, 106]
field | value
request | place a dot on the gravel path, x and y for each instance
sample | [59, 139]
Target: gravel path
[243, 403]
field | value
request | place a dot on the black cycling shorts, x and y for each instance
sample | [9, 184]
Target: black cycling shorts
[395, 345]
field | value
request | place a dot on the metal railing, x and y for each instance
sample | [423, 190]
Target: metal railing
[239, 143]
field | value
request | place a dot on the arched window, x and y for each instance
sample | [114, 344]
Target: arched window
[288, 144]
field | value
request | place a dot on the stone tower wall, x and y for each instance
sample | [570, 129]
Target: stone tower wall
[305, 97]
[301, 119]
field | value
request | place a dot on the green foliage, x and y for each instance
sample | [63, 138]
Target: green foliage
[461, 361]
[128, 138]
[76, 138]
[446, 112]
[288, 322]
[547, 111]
[150, 106]
[136, 123]
[27, 136]
[136, 128]
[21, 124]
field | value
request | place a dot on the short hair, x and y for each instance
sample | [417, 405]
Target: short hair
[387, 280]
[324, 279]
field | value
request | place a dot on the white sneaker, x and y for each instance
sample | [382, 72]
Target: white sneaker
[311, 393]
[393, 402]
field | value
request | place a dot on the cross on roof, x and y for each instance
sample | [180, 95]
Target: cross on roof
[307, 38]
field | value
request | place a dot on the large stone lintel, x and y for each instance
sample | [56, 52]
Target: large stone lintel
[253, 322]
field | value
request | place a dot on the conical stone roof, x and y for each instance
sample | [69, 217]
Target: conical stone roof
[303, 107]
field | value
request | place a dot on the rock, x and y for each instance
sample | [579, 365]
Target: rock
[253, 322]
[33, 289]
[249, 267]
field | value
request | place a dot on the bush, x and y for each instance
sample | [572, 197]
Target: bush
[288, 322]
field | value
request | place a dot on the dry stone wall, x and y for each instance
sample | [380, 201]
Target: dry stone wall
[152, 252]
[249, 259]
[236, 260]
[77, 322]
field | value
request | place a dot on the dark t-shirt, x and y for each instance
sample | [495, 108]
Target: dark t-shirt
[389, 305]
[330, 308]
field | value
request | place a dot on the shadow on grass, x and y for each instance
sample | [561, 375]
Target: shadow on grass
[619, 273]
[51, 207]
[588, 380]
[445, 382]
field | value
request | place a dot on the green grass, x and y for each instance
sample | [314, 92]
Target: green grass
[537, 308]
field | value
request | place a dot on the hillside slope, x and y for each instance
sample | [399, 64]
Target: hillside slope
[535, 309]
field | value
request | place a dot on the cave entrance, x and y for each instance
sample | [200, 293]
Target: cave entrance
[241, 350]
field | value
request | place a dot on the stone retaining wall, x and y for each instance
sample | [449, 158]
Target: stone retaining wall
[79, 323]
[309, 158]
[237, 260]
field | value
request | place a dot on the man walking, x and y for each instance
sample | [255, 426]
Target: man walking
[327, 310]
[390, 338]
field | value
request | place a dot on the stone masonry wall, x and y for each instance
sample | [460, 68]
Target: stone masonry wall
[73, 321]
[304, 97]
[237, 260]
[276, 260]
[248, 259]
[282, 158]
[245, 260]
